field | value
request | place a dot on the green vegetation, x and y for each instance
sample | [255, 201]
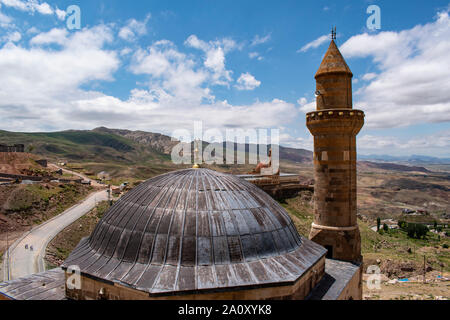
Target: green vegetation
[393, 244]
[301, 212]
[82, 146]
[64, 243]
[40, 202]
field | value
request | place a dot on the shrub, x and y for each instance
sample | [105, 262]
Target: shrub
[416, 230]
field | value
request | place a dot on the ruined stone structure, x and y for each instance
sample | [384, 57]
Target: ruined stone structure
[334, 126]
[15, 148]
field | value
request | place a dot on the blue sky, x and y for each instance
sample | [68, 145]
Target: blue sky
[160, 65]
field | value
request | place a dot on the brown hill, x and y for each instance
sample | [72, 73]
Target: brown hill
[156, 141]
[18, 163]
[391, 166]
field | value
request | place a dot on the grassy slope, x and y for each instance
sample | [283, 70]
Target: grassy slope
[95, 151]
[38, 203]
[83, 145]
[375, 246]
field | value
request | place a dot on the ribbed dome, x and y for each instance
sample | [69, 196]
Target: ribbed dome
[193, 230]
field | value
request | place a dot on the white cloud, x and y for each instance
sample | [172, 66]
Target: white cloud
[33, 30]
[306, 106]
[214, 60]
[41, 88]
[32, 6]
[125, 51]
[29, 6]
[5, 20]
[58, 36]
[38, 86]
[134, 29]
[302, 101]
[153, 111]
[369, 76]
[315, 43]
[247, 82]
[61, 14]
[287, 140]
[14, 36]
[255, 55]
[437, 143]
[43, 8]
[257, 40]
[412, 86]
[173, 74]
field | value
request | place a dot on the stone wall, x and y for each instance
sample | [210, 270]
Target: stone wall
[21, 177]
[299, 290]
[335, 221]
[42, 163]
[15, 148]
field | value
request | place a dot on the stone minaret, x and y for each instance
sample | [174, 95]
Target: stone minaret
[334, 126]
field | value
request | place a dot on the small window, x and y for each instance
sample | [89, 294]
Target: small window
[330, 252]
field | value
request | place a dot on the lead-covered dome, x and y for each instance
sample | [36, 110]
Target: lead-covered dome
[194, 231]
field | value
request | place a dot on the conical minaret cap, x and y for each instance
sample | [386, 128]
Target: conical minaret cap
[333, 62]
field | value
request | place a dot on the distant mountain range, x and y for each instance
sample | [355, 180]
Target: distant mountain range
[140, 147]
[116, 145]
[418, 159]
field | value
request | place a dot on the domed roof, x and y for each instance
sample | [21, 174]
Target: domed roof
[333, 62]
[192, 231]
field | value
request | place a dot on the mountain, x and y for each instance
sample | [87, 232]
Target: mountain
[296, 155]
[156, 141]
[391, 166]
[419, 159]
[92, 146]
[138, 147]
[116, 145]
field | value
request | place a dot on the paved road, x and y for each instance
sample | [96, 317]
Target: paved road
[23, 261]
[390, 222]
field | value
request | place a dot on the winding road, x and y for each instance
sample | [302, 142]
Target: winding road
[23, 262]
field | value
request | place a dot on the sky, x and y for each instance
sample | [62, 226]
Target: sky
[159, 66]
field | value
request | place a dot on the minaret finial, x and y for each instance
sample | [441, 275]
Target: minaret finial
[333, 33]
[196, 151]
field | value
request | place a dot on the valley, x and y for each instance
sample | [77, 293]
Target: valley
[416, 193]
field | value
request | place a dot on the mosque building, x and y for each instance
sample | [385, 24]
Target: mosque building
[198, 234]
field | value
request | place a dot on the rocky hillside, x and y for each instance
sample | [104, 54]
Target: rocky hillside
[296, 155]
[156, 141]
[392, 166]
[115, 146]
